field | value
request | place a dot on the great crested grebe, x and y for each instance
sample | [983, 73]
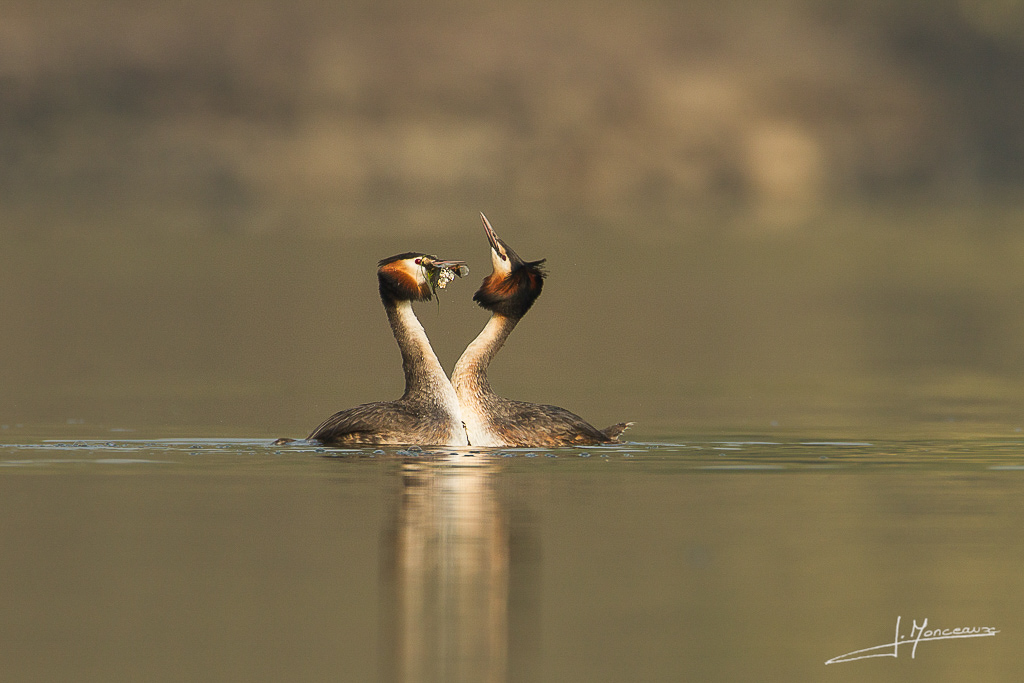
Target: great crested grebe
[508, 292]
[428, 412]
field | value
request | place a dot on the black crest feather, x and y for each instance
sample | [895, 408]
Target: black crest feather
[512, 296]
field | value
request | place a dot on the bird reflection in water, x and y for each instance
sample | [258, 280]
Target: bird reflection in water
[454, 560]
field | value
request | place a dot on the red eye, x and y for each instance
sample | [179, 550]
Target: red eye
[418, 261]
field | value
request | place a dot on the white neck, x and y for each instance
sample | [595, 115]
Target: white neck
[469, 379]
[471, 367]
[425, 379]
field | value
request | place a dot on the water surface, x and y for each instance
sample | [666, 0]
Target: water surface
[713, 557]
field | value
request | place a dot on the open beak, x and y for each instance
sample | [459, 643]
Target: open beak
[440, 272]
[457, 267]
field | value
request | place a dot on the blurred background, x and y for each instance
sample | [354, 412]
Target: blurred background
[804, 214]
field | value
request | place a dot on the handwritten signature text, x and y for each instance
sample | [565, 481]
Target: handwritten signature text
[919, 633]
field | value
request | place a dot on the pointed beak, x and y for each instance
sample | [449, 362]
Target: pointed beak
[491, 236]
[502, 250]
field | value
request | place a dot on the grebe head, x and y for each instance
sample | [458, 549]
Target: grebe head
[415, 276]
[514, 284]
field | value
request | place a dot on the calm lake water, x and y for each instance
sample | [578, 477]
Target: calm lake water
[828, 441]
[754, 557]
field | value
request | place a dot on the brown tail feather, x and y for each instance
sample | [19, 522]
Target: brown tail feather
[615, 430]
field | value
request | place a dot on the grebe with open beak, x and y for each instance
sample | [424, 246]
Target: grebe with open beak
[428, 413]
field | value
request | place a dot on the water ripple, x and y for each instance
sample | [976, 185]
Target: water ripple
[700, 455]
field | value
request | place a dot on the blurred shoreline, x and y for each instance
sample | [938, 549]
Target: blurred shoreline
[301, 117]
